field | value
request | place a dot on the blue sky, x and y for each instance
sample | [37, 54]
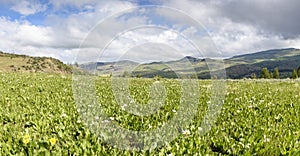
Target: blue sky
[38, 18]
[58, 28]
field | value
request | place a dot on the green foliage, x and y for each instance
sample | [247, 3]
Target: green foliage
[276, 73]
[271, 75]
[253, 76]
[125, 74]
[265, 73]
[298, 71]
[294, 74]
[39, 117]
[76, 64]
[23, 63]
[158, 77]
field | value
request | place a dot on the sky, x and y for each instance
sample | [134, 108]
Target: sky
[86, 30]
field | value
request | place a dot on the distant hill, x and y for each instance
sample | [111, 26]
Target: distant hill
[241, 66]
[23, 63]
[244, 65]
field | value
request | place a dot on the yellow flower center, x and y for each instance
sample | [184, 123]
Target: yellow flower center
[26, 136]
[26, 141]
[52, 141]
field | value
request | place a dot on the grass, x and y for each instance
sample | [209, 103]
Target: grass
[27, 64]
[8, 63]
[39, 117]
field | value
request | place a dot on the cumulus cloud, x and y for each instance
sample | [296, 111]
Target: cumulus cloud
[244, 26]
[148, 44]
[59, 36]
[271, 16]
[27, 7]
[234, 26]
[16, 33]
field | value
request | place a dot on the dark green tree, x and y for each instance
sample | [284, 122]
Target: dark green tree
[298, 71]
[265, 74]
[294, 74]
[271, 75]
[276, 73]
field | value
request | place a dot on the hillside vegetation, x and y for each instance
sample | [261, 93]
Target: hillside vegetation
[27, 64]
[244, 65]
[241, 66]
[40, 117]
[237, 67]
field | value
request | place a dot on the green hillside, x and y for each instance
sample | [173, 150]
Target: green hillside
[242, 66]
[27, 64]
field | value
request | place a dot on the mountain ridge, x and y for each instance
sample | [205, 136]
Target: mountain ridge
[236, 67]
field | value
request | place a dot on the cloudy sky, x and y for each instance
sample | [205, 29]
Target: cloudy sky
[62, 29]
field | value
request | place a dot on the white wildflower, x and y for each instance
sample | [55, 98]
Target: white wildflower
[266, 139]
[105, 121]
[186, 132]
[123, 106]
[63, 115]
[155, 82]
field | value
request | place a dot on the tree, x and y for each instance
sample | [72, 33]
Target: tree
[271, 75]
[298, 71]
[158, 77]
[76, 64]
[194, 76]
[253, 76]
[125, 74]
[294, 74]
[265, 73]
[276, 73]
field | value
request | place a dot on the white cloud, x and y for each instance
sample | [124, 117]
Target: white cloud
[61, 36]
[78, 3]
[24, 34]
[231, 36]
[26, 7]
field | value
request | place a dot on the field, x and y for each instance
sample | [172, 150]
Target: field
[40, 117]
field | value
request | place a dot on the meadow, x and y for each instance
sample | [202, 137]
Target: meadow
[39, 117]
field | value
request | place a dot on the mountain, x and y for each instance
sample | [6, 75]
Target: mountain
[240, 66]
[28, 64]
[244, 65]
